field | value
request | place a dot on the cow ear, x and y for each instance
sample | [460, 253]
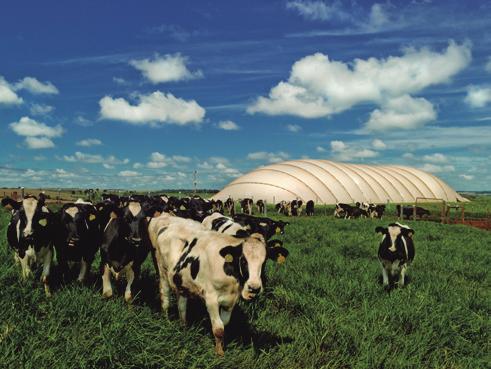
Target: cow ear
[278, 254]
[407, 232]
[10, 204]
[229, 253]
[274, 243]
[381, 230]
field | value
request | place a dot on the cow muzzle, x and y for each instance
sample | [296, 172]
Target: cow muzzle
[251, 291]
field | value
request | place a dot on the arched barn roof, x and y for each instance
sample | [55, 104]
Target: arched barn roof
[328, 182]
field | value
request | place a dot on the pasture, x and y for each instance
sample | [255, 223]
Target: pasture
[324, 308]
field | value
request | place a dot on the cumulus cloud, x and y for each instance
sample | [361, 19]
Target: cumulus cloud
[120, 81]
[271, 157]
[7, 94]
[466, 177]
[128, 173]
[478, 97]
[344, 152]
[488, 65]
[403, 112]
[94, 159]
[34, 86]
[155, 108]
[88, 142]
[320, 87]
[320, 149]
[39, 143]
[433, 168]
[435, 158]
[40, 109]
[159, 160]
[293, 128]
[379, 16]
[167, 68]
[228, 125]
[378, 144]
[317, 10]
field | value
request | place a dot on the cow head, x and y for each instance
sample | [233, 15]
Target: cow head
[391, 236]
[78, 222]
[29, 226]
[279, 226]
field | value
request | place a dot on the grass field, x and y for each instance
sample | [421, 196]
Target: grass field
[324, 308]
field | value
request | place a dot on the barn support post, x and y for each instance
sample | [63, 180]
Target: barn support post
[414, 210]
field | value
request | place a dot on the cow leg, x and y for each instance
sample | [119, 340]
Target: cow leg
[385, 276]
[48, 257]
[130, 277]
[402, 276]
[164, 289]
[25, 266]
[107, 290]
[216, 324]
[182, 303]
[83, 270]
[16, 259]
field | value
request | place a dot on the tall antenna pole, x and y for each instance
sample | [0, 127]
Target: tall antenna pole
[195, 180]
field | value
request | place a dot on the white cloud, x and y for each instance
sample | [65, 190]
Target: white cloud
[108, 166]
[40, 109]
[94, 159]
[181, 159]
[293, 128]
[343, 152]
[62, 173]
[167, 68]
[488, 65]
[128, 173]
[320, 87]
[433, 168]
[88, 142]
[378, 16]
[157, 160]
[435, 158]
[320, 149]
[137, 165]
[378, 144]
[272, 157]
[30, 128]
[154, 108]
[478, 97]
[466, 177]
[408, 155]
[34, 86]
[228, 125]
[316, 10]
[120, 81]
[403, 112]
[7, 94]
[39, 142]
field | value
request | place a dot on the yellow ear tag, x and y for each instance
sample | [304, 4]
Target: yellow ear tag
[43, 222]
[280, 259]
[92, 217]
[278, 230]
[229, 258]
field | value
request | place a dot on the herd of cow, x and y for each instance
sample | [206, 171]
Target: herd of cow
[195, 249]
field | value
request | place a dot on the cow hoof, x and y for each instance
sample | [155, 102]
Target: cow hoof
[219, 351]
[127, 297]
[107, 294]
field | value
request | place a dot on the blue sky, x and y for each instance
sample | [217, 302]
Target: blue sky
[140, 94]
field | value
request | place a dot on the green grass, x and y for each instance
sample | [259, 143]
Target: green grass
[325, 307]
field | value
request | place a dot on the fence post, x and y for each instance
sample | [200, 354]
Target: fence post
[414, 212]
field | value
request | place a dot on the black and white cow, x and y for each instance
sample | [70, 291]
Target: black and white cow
[125, 245]
[376, 211]
[222, 224]
[217, 268]
[246, 206]
[77, 236]
[396, 251]
[296, 207]
[29, 235]
[408, 212]
[217, 206]
[260, 206]
[309, 208]
[265, 226]
[347, 211]
[230, 206]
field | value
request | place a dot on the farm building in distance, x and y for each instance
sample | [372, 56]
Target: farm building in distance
[328, 182]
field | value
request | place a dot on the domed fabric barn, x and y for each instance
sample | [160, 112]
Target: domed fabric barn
[328, 182]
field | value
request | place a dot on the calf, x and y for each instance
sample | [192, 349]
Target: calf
[296, 208]
[218, 222]
[214, 267]
[376, 211]
[342, 210]
[125, 245]
[309, 208]
[395, 252]
[77, 236]
[246, 206]
[265, 226]
[260, 206]
[29, 234]
[230, 206]
[408, 212]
